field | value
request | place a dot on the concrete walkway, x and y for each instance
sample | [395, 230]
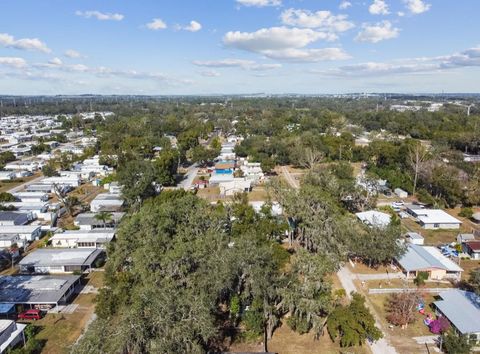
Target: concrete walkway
[381, 346]
[188, 178]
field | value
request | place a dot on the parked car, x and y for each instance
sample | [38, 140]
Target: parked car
[30, 315]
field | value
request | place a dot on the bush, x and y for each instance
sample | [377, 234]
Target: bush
[466, 213]
[425, 197]
[421, 278]
[299, 325]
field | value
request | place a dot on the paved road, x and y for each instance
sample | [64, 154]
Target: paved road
[187, 181]
[290, 179]
[381, 346]
[22, 186]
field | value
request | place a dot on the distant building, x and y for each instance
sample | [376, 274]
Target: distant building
[11, 335]
[434, 218]
[400, 193]
[472, 248]
[106, 202]
[89, 221]
[414, 238]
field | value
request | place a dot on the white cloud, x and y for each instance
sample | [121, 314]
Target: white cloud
[377, 32]
[344, 5]
[194, 26]
[284, 43]
[379, 7]
[156, 24]
[70, 53]
[33, 44]
[400, 13]
[13, 62]
[322, 20]
[467, 58]
[417, 6]
[310, 55]
[101, 16]
[55, 62]
[210, 73]
[259, 3]
[237, 63]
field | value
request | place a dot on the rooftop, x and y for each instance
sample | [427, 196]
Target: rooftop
[418, 258]
[374, 218]
[462, 308]
[437, 216]
[35, 289]
[59, 257]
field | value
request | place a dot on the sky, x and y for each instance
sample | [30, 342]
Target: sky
[196, 47]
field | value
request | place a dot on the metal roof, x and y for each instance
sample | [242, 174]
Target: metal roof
[59, 257]
[34, 289]
[374, 218]
[418, 258]
[462, 308]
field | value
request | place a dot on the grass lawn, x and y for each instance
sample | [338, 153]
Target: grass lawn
[210, 193]
[60, 331]
[286, 341]
[468, 266]
[361, 268]
[402, 338]
[257, 194]
[398, 283]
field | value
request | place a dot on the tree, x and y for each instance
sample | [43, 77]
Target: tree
[166, 167]
[454, 343]
[103, 216]
[69, 202]
[308, 295]
[137, 178]
[417, 154]
[49, 170]
[311, 158]
[353, 323]
[440, 325]
[401, 307]
[421, 278]
[474, 280]
[6, 197]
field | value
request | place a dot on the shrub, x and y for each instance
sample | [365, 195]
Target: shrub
[420, 279]
[466, 213]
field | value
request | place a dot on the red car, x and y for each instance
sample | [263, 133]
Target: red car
[30, 315]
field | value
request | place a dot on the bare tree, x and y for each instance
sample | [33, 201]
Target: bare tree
[417, 155]
[311, 158]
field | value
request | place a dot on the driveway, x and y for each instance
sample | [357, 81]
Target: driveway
[188, 178]
[290, 179]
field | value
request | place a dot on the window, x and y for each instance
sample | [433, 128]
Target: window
[436, 226]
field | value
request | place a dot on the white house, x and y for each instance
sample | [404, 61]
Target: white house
[27, 233]
[31, 197]
[71, 181]
[238, 185]
[12, 218]
[54, 260]
[7, 175]
[83, 239]
[8, 240]
[400, 193]
[106, 202]
[414, 238]
[374, 218]
[433, 219]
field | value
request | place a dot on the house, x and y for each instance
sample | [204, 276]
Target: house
[400, 193]
[11, 335]
[106, 202]
[224, 167]
[374, 218]
[237, 185]
[28, 233]
[7, 175]
[8, 240]
[12, 218]
[414, 238]
[462, 309]
[68, 260]
[37, 291]
[42, 210]
[83, 238]
[218, 178]
[472, 248]
[430, 260]
[461, 238]
[433, 219]
[90, 221]
[71, 181]
[31, 197]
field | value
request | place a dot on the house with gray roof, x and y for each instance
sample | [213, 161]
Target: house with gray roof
[462, 309]
[54, 260]
[91, 221]
[428, 259]
[37, 291]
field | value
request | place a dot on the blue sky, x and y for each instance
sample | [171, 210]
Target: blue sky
[238, 46]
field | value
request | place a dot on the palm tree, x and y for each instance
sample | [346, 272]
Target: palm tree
[103, 216]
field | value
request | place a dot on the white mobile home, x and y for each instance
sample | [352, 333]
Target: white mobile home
[31, 197]
[27, 233]
[83, 239]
